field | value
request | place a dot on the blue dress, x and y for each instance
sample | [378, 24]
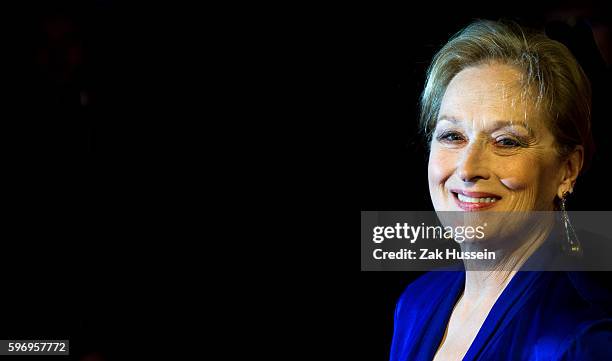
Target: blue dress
[538, 316]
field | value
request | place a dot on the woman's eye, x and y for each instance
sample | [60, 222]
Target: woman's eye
[450, 137]
[508, 143]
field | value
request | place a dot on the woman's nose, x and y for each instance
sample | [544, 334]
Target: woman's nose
[473, 163]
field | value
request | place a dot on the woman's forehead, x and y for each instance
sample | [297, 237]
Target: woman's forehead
[489, 93]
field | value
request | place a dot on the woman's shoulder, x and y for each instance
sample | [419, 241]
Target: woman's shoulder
[573, 318]
[594, 288]
[591, 342]
[427, 288]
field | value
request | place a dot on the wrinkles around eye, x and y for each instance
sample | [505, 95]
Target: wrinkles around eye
[450, 137]
[503, 141]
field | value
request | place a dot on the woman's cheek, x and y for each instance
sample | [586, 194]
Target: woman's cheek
[514, 183]
[523, 186]
[520, 174]
[441, 166]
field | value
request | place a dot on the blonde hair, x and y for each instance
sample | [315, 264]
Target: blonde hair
[550, 73]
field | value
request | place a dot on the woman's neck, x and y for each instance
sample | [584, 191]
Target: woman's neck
[487, 281]
[485, 285]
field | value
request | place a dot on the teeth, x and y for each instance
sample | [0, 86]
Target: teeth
[463, 198]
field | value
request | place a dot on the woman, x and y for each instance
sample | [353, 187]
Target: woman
[507, 116]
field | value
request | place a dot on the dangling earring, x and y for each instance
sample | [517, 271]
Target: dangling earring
[572, 246]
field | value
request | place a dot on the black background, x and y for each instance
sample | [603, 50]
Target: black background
[99, 104]
[85, 135]
[397, 46]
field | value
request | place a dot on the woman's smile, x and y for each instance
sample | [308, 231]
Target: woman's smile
[474, 201]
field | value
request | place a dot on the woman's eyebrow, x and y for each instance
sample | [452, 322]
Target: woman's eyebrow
[448, 118]
[498, 124]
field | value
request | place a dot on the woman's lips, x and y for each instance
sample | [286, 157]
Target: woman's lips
[474, 201]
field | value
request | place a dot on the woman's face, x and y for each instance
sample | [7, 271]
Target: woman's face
[491, 149]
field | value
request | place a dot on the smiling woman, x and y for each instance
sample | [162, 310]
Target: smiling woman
[506, 112]
[489, 131]
[512, 119]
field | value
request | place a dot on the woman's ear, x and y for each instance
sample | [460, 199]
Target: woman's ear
[570, 168]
